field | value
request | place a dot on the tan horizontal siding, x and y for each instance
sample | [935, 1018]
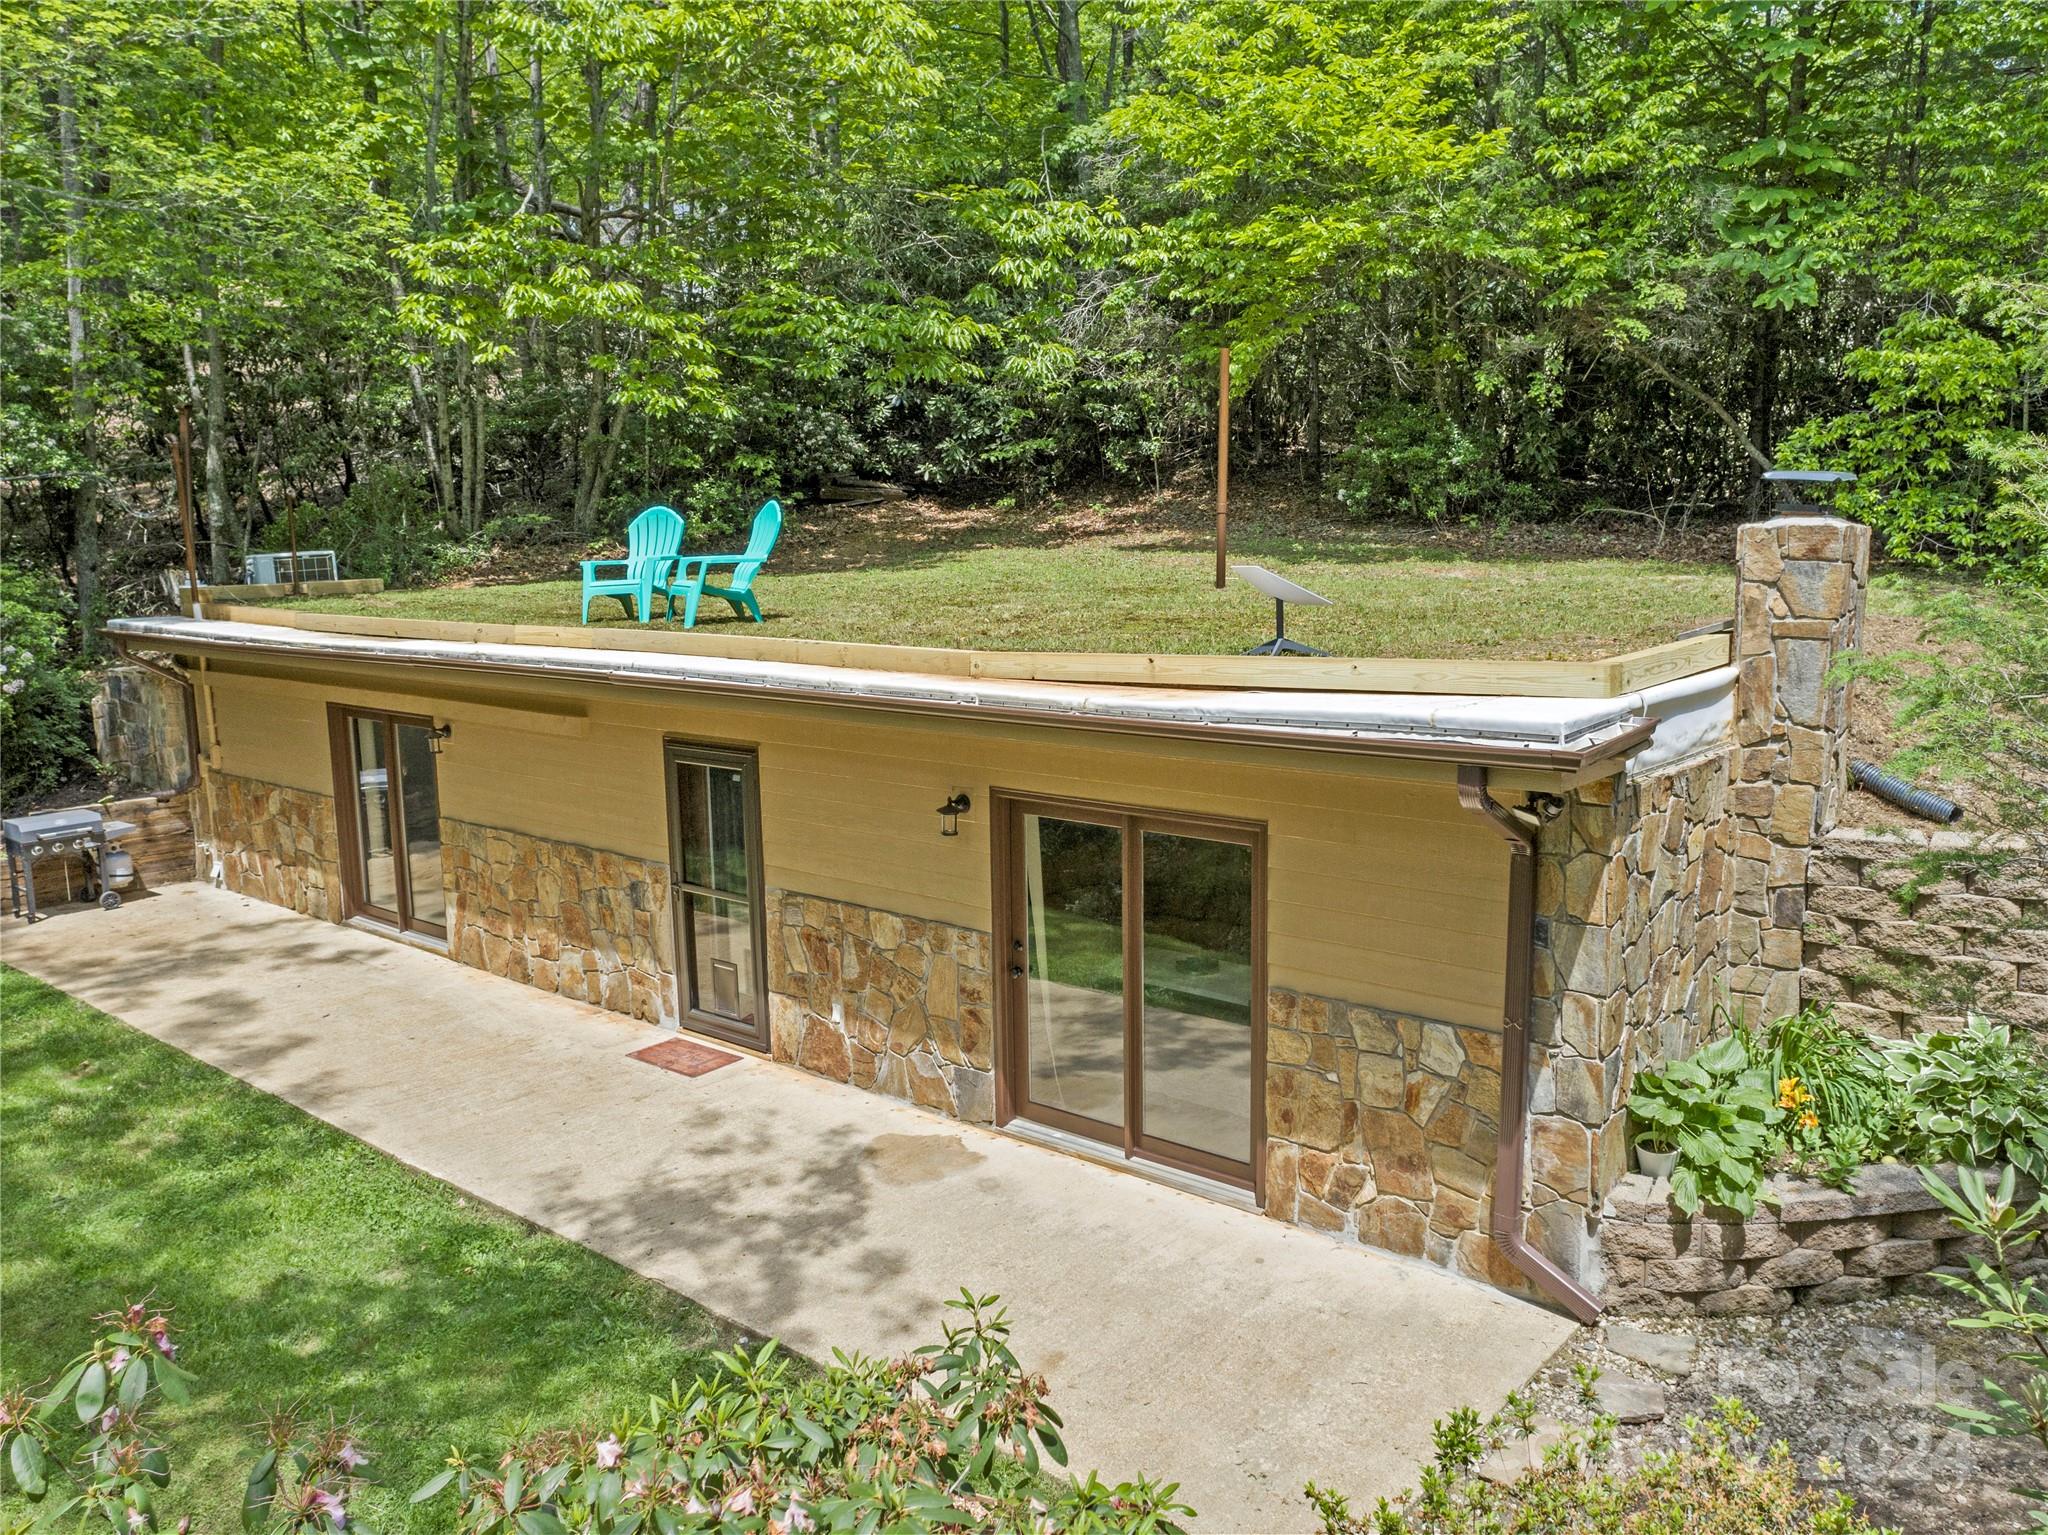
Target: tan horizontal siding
[1380, 888]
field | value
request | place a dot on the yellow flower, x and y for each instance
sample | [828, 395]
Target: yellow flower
[1792, 1093]
[1809, 1120]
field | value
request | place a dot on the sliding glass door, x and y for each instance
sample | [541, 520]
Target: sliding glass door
[388, 803]
[1133, 1002]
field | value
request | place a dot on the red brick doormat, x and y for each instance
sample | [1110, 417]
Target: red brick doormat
[685, 1057]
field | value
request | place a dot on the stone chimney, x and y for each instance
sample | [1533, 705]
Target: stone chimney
[1801, 584]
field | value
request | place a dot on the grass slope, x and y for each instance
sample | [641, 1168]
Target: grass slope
[299, 1265]
[1102, 594]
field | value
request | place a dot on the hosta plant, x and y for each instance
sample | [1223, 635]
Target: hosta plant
[1975, 1095]
[1719, 1111]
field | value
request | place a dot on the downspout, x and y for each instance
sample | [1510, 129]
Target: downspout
[1510, 1153]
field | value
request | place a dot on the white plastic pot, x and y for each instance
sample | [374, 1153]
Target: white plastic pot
[1657, 1164]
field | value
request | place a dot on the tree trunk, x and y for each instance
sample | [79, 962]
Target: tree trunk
[1072, 66]
[226, 530]
[1314, 433]
[444, 443]
[213, 404]
[480, 480]
[465, 120]
[423, 412]
[85, 512]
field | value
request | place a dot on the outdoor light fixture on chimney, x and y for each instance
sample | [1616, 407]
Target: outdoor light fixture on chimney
[950, 813]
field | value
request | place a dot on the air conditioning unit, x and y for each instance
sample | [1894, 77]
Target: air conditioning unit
[276, 569]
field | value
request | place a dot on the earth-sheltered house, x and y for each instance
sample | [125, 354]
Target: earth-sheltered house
[1373, 946]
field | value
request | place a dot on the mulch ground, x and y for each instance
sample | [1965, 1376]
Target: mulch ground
[1855, 1391]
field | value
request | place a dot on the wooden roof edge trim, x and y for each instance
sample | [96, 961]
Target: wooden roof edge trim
[1604, 677]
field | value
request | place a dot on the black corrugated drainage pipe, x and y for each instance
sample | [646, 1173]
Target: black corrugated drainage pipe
[1509, 1162]
[1924, 803]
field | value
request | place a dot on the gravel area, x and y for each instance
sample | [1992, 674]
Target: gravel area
[1854, 1390]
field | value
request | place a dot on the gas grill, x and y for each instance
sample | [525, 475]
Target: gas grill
[83, 834]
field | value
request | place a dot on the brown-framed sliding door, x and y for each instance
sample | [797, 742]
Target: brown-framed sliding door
[715, 876]
[387, 799]
[1132, 958]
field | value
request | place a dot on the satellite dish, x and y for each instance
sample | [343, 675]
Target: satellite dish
[1282, 591]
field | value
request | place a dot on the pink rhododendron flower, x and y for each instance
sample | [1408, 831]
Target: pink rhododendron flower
[137, 1519]
[332, 1507]
[350, 1456]
[116, 1364]
[608, 1451]
[739, 1502]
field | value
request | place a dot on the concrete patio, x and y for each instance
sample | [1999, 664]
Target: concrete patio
[1181, 1337]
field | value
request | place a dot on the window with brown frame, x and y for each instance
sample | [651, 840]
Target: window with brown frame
[387, 800]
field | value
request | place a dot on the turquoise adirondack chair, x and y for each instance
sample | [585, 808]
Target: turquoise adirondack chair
[654, 540]
[692, 570]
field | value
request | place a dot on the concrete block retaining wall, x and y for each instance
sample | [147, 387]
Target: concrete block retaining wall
[1978, 942]
[1818, 1246]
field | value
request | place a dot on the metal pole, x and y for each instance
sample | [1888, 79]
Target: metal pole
[181, 461]
[1222, 468]
[291, 523]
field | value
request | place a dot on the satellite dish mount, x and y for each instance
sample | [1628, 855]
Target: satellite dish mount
[1282, 591]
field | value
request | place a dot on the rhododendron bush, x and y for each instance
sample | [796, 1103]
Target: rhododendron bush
[957, 1436]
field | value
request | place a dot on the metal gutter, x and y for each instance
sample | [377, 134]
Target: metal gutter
[1562, 735]
[1510, 1147]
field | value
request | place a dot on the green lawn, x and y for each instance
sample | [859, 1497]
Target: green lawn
[298, 1265]
[1108, 594]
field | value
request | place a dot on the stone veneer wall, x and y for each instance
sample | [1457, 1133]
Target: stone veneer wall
[1380, 1127]
[1799, 598]
[275, 843]
[1818, 1246]
[141, 728]
[1975, 942]
[1659, 897]
[1636, 900]
[915, 1008]
[590, 925]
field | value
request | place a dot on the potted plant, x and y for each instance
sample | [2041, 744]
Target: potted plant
[1656, 1154]
[1705, 1123]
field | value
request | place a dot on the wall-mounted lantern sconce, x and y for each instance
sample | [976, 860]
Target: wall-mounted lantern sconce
[950, 813]
[436, 736]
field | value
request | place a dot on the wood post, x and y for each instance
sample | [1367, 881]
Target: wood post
[1223, 469]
